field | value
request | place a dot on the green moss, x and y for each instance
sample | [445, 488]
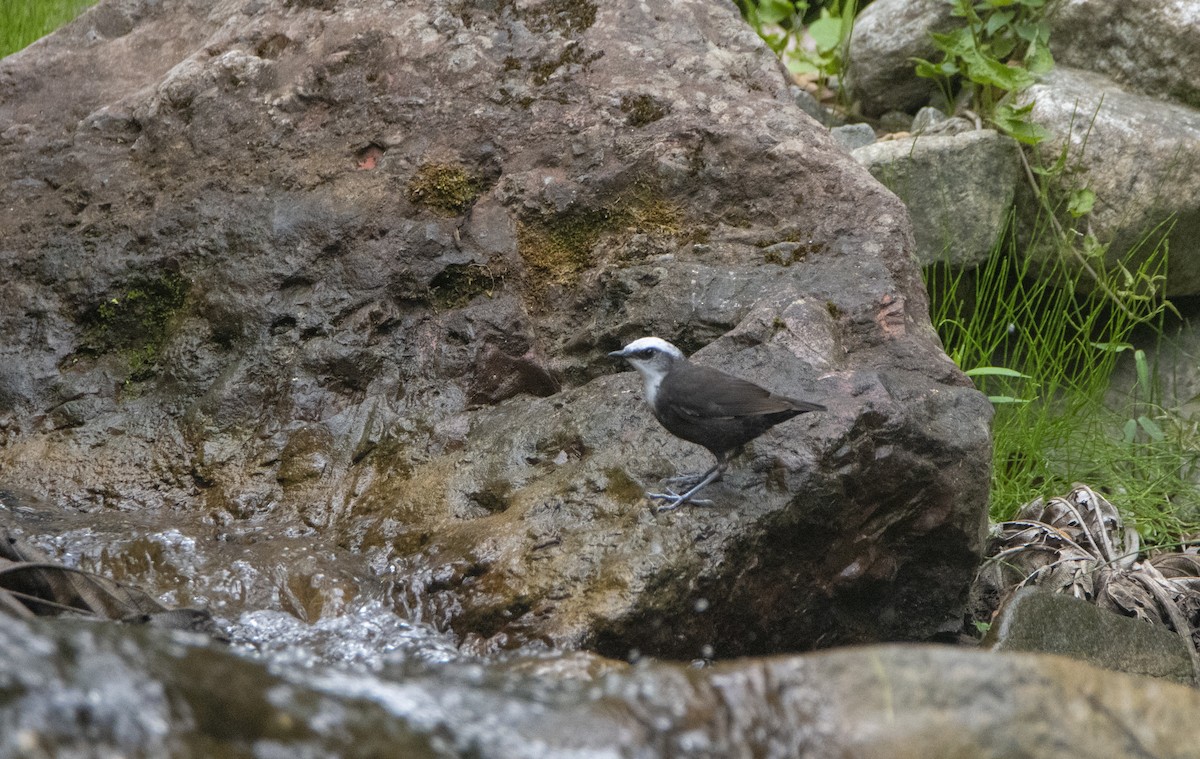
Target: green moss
[782, 256]
[135, 322]
[558, 248]
[388, 455]
[621, 486]
[459, 284]
[543, 68]
[568, 17]
[641, 110]
[445, 187]
[495, 496]
[650, 213]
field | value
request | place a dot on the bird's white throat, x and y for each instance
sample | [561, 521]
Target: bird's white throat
[652, 376]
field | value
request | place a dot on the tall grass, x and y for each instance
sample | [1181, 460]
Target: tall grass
[24, 21]
[1042, 341]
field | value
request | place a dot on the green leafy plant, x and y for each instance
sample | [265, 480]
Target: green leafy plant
[999, 50]
[810, 37]
[1043, 344]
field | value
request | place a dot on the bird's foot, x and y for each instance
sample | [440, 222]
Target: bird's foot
[685, 481]
[675, 500]
[688, 481]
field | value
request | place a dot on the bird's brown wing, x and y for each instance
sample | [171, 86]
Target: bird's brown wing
[723, 396]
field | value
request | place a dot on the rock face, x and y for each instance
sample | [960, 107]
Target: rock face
[959, 190]
[1139, 155]
[1147, 45]
[89, 689]
[1036, 620]
[887, 35]
[341, 277]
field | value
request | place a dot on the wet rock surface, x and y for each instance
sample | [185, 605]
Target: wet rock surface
[303, 303]
[146, 692]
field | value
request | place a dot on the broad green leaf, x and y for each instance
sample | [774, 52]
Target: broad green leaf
[1001, 47]
[991, 71]
[799, 65]
[1081, 202]
[1143, 368]
[1039, 60]
[956, 42]
[774, 11]
[1002, 399]
[997, 20]
[1026, 133]
[929, 70]
[994, 371]
[1093, 248]
[1015, 123]
[826, 31]
[1129, 431]
[1032, 31]
[777, 42]
[1151, 428]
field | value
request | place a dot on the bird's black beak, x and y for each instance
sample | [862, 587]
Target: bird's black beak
[617, 354]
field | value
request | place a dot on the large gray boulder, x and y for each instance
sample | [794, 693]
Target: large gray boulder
[887, 36]
[959, 190]
[1139, 155]
[296, 288]
[1147, 45]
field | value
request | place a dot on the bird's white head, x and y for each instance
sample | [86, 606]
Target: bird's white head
[653, 357]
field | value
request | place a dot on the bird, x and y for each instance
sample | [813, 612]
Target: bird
[704, 406]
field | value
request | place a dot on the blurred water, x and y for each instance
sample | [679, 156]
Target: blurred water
[363, 639]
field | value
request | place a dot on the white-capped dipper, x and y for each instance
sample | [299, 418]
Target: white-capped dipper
[705, 406]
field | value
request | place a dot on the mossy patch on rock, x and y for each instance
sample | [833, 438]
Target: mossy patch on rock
[444, 187]
[568, 17]
[641, 110]
[135, 322]
[556, 249]
[542, 69]
[459, 284]
[306, 456]
[621, 486]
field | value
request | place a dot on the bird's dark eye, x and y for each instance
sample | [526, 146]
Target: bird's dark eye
[645, 353]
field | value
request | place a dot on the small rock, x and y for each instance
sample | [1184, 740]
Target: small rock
[927, 117]
[896, 121]
[1053, 623]
[853, 136]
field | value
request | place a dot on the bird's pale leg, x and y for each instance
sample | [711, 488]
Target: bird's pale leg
[675, 500]
[690, 480]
